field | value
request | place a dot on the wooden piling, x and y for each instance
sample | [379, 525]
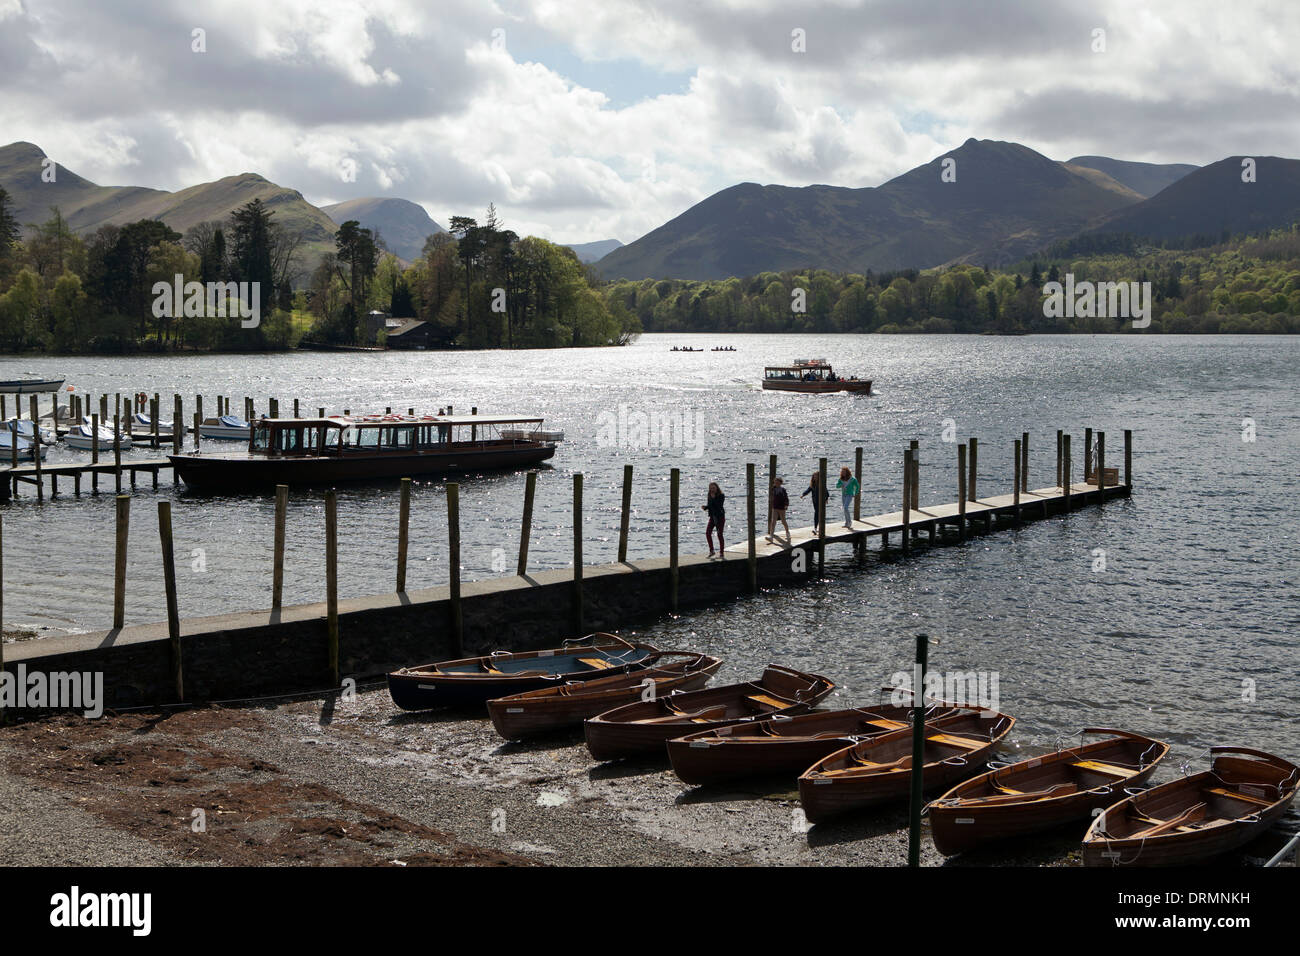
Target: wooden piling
[1101, 467]
[974, 469]
[857, 474]
[1128, 458]
[752, 557]
[453, 562]
[123, 507]
[577, 553]
[526, 532]
[169, 584]
[94, 451]
[2, 594]
[1059, 445]
[907, 501]
[117, 451]
[1024, 462]
[277, 559]
[198, 420]
[1087, 454]
[961, 492]
[823, 500]
[1065, 470]
[153, 418]
[295, 408]
[674, 505]
[178, 427]
[403, 527]
[918, 751]
[1016, 485]
[332, 581]
[771, 480]
[916, 475]
[36, 450]
[626, 517]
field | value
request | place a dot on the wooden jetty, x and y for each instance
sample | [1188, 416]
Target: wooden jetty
[11, 476]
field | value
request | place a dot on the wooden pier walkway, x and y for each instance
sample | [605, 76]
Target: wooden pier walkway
[11, 476]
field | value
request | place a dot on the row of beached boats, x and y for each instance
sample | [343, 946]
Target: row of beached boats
[633, 700]
[22, 434]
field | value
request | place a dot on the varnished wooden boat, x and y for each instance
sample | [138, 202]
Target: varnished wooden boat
[645, 726]
[1198, 817]
[783, 744]
[1043, 792]
[880, 770]
[476, 680]
[539, 711]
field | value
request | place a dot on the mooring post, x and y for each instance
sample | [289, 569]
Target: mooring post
[1059, 446]
[916, 475]
[403, 526]
[1016, 486]
[1087, 454]
[36, 450]
[154, 406]
[577, 553]
[295, 408]
[753, 542]
[198, 420]
[123, 505]
[320, 412]
[771, 483]
[1101, 468]
[974, 469]
[918, 750]
[857, 475]
[169, 584]
[453, 561]
[117, 451]
[94, 452]
[1065, 470]
[526, 532]
[332, 580]
[626, 516]
[1024, 462]
[277, 570]
[1128, 458]
[823, 499]
[178, 428]
[248, 408]
[2, 597]
[961, 492]
[198, 406]
[674, 499]
[907, 501]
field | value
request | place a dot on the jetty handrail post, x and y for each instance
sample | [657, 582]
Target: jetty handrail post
[961, 492]
[674, 506]
[36, 452]
[1128, 458]
[277, 570]
[974, 468]
[824, 500]
[1065, 470]
[577, 552]
[169, 583]
[122, 505]
[1024, 462]
[1101, 468]
[1015, 495]
[453, 562]
[752, 557]
[526, 532]
[332, 581]
[626, 517]
[907, 501]
[1059, 446]
[918, 751]
[117, 451]
[403, 530]
[857, 476]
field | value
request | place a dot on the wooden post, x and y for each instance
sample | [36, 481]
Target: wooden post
[153, 420]
[753, 543]
[907, 501]
[103, 408]
[1016, 486]
[918, 751]
[2, 592]
[178, 427]
[1101, 467]
[526, 532]
[277, 568]
[123, 505]
[169, 584]
[198, 420]
[674, 499]
[36, 451]
[332, 581]
[577, 552]
[916, 475]
[1087, 454]
[453, 560]
[823, 501]
[198, 406]
[1059, 446]
[626, 518]
[320, 412]
[1024, 462]
[961, 492]
[1065, 470]
[403, 526]
[94, 452]
[1128, 458]
[857, 474]
[248, 409]
[974, 469]
[771, 480]
[295, 408]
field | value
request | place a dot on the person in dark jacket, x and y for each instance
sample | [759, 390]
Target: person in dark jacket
[819, 499]
[717, 516]
[780, 502]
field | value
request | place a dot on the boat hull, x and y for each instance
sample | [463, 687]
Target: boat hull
[30, 386]
[818, 388]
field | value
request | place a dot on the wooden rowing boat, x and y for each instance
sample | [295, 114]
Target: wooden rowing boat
[1043, 792]
[782, 745]
[476, 680]
[880, 770]
[539, 711]
[1197, 817]
[646, 726]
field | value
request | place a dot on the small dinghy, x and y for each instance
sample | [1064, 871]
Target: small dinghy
[880, 770]
[473, 681]
[646, 726]
[570, 703]
[1043, 792]
[784, 744]
[1198, 817]
[83, 437]
[225, 428]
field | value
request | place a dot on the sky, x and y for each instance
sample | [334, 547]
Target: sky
[592, 119]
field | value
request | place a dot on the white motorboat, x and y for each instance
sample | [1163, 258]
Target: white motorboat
[142, 425]
[227, 427]
[25, 448]
[27, 430]
[83, 437]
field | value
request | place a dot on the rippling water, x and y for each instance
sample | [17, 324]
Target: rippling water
[1197, 600]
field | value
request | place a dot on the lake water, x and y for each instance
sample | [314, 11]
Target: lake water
[1190, 631]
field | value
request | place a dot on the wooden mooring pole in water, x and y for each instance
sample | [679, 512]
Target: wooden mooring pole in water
[752, 557]
[173, 607]
[277, 567]
[577, 553]
[674, 504]
[918, 751]
[332, 582]
[961, 492]
[907, 501]
[453, 567]
[625, 515]
[823, 499]
[123, 507]
[526, 531]
[403, 528]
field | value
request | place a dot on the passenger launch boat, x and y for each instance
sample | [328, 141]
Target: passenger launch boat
[1198, 817]
[295, 451]
[476, 680]
[811, 375]
[1043, 792]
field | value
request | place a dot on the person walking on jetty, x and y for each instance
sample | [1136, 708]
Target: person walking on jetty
[848, 486]
[717, 516]
[820, 497]
[780, 502]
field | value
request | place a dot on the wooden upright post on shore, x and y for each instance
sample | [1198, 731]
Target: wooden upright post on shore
[674, 506]
[403, 526]
[277, 568]
[123, 506]
[169, 584]
[1024, 462]
[974, 469]
[332, 581]
[961, 492]
[577, 553]
[823, 499]
[526, 532]
[626, 516]
[907, 501]
[752, 557]
[1128, 458]
[1016, 485]
[453, 561]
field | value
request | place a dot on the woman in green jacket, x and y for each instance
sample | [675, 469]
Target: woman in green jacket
[848, 486]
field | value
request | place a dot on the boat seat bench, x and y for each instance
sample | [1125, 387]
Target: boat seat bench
[763, 700]
[1100, 767]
